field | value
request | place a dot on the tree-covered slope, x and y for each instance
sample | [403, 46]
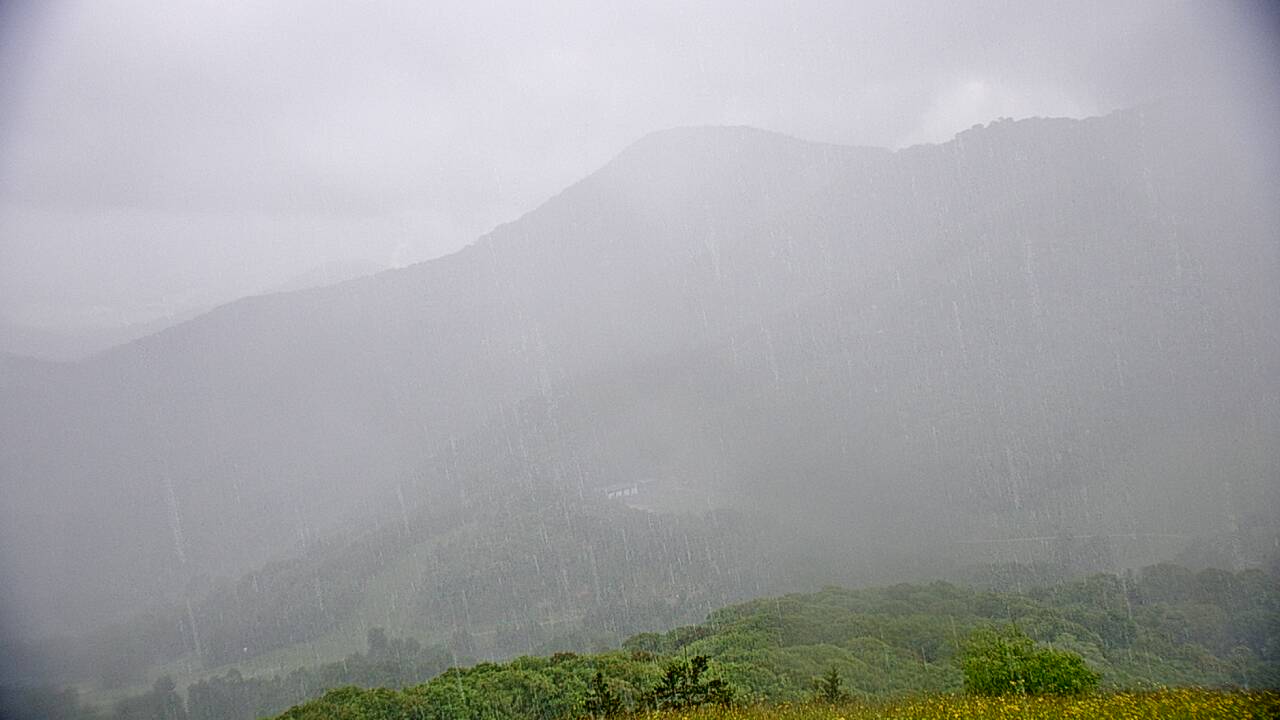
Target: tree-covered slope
[1163, 626]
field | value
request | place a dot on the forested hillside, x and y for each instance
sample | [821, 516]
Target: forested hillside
[1165, 625]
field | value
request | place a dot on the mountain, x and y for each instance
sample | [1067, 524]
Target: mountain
[66, 344]
[1043, 328]
[329, 273]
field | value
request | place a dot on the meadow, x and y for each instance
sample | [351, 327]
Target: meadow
[1174, 704]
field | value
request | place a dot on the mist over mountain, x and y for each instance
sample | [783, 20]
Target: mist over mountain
[1041, 328]
[329, 273]
[76, 341]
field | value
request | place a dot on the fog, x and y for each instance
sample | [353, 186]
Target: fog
[523, 330]
[158, 160]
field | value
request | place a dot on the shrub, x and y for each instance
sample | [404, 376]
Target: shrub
[1003, 662]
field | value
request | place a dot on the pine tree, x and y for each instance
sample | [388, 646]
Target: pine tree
[828, 688]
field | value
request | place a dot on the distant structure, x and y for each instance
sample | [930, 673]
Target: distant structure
[620, 491]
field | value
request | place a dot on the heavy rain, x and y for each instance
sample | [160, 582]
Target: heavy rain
[586, 359]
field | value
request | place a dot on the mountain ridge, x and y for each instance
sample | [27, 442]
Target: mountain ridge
[227, 440]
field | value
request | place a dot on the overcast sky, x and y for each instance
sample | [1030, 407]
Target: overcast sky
[156, 156]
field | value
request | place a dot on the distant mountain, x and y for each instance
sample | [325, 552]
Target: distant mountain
[1041, 328]
[67, 344]
[329, 273]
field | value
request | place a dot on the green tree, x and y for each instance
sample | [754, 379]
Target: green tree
[683, 685]
[1006, 661]
[828, 688]
[601, 701]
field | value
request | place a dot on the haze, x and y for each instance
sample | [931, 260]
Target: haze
[157, 159]
[347, 343]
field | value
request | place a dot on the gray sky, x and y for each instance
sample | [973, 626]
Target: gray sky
[156, 156]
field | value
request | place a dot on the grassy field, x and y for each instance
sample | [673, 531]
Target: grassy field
[1178, 704]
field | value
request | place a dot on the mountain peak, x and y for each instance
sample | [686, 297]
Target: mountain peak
[701, 143]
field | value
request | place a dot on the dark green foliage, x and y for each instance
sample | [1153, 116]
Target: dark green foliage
[829, 688]
[683, 685]
[350, 703]
[1007, 662]
[601, 701]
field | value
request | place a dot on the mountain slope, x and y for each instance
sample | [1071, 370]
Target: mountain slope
[1017, 332]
